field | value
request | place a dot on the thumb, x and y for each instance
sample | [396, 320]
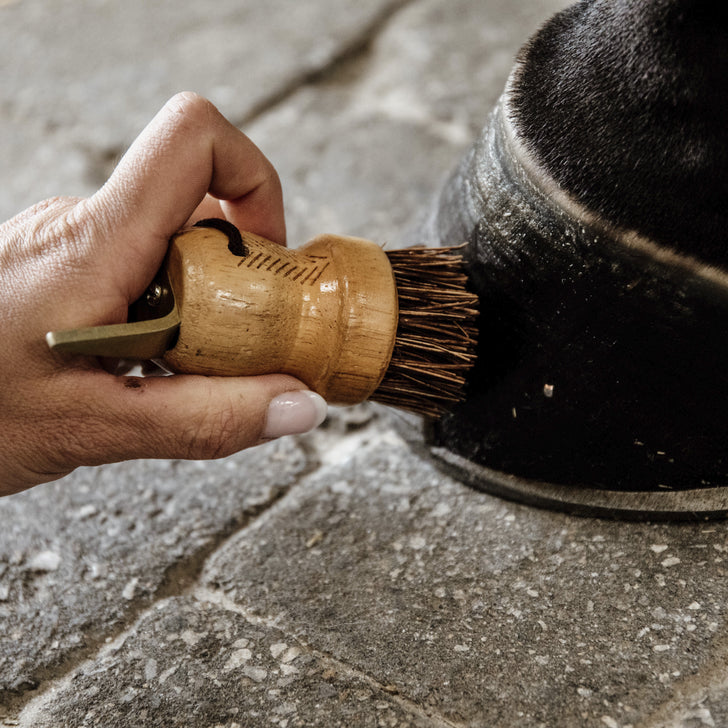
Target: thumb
[187, 417]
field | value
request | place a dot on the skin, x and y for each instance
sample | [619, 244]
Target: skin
[66, 263]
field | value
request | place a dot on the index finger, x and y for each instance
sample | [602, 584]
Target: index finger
[186, 151]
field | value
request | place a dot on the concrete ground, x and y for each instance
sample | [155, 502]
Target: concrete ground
[335, 578]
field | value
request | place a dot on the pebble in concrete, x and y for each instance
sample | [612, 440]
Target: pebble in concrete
[81, 556]
[189, 663]
[490, 613]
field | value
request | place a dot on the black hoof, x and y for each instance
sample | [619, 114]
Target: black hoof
[601, 383]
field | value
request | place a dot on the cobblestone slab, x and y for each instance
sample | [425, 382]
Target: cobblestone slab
[81, 79]
[490, 612]
[79, 557]
[196, 664]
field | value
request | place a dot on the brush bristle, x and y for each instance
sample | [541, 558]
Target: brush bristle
[436, 336]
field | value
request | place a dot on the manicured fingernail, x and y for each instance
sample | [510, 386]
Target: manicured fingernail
[294, 412]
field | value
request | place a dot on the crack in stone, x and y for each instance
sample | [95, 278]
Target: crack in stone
[100, 163]
[434, 718]
[180, 579]
[25, 715]
[358, 47]
[177, 580]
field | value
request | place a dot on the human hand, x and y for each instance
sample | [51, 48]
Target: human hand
[68, 263]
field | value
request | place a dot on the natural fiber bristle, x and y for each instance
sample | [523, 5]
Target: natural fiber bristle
[436, 336]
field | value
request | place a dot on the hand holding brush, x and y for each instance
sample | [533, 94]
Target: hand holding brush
[350, 320]
[71, 263]
[80, 262]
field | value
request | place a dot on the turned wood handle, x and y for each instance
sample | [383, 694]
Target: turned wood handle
[325, 313]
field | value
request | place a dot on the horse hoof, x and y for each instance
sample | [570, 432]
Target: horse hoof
[600, 385]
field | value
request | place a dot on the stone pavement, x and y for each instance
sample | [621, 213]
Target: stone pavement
[336, 578]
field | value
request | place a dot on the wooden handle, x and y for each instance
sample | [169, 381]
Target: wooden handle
[325, 313]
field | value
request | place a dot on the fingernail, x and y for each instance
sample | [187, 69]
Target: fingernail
[292, 413]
